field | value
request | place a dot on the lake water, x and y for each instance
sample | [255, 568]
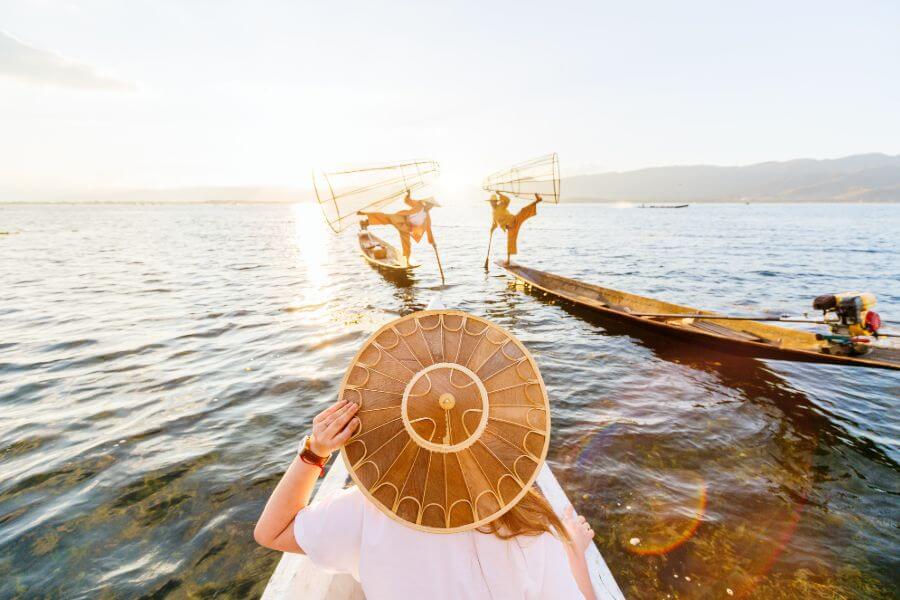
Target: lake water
[159, 363]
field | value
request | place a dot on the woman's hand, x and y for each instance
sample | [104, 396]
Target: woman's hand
[333, 427]
[579, 530]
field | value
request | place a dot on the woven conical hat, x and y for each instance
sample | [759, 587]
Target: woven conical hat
[455, 422]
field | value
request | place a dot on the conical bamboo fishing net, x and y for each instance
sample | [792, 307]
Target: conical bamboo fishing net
[343, 192]
[536, 176]
[455, 422]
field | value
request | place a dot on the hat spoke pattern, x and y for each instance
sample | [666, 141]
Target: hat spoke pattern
[454, 418]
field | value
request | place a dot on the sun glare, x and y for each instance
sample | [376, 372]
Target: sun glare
[313, 242]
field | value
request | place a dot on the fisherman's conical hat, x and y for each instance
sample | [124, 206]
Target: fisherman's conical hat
[430, 202]
[455, 422]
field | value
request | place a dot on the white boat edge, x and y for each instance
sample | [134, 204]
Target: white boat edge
[296, 577]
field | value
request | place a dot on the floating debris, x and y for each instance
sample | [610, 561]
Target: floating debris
[635, 541]
[729, 591]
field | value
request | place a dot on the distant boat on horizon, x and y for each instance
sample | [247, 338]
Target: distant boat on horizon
[664, 205]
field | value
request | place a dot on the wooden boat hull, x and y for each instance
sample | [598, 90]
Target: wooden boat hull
[393, 261]
[742, 338]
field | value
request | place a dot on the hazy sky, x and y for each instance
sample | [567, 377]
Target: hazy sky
[124, 93]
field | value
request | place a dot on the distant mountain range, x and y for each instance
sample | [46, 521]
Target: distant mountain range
[858, 178]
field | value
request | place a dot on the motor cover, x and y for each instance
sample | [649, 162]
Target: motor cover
[852, 310]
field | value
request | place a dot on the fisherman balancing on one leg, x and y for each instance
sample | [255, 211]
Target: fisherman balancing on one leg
[508, 222]
[413, 222]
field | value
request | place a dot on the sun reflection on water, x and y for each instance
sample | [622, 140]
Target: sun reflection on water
[313, 241]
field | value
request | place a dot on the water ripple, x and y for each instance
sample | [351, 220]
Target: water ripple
[158, 365]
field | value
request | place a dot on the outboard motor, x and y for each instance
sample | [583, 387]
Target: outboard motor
[852, 312]
[850, 319]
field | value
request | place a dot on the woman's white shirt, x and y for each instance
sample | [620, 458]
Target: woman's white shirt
[346, 533]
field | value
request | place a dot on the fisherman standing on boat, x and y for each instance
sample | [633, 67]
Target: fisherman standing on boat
[508, 222]
[412, 222]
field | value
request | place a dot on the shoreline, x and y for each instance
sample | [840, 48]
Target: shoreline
[469, 203]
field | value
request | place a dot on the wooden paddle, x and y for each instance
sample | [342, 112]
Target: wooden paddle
[440, 268]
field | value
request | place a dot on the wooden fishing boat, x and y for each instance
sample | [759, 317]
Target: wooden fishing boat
[347, 194]
[296, 577]
[740, 337]
[382, 254]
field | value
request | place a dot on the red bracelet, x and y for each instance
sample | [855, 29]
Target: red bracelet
[314, 464]
[311, 458]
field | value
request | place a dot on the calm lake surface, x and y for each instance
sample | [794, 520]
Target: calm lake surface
[158, 365]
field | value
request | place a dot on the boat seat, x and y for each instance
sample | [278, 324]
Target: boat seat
[726, 331]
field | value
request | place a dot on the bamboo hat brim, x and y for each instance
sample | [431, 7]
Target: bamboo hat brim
[454, 420]
[430, 202]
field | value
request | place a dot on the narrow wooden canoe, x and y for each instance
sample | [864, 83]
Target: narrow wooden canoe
[743, 338]
[296, 577]
[393, 260]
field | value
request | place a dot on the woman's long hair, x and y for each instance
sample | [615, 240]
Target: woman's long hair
[532, 515]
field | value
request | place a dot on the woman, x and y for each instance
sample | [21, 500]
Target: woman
[527, 552]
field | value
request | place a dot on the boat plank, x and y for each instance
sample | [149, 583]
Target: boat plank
[726, 331]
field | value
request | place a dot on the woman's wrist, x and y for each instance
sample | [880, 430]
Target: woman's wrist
[316, 448]
[312, 454]
[331, 429]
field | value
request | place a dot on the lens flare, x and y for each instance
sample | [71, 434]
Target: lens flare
[670, 517]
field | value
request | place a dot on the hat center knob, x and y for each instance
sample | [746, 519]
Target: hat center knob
[447, 401]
